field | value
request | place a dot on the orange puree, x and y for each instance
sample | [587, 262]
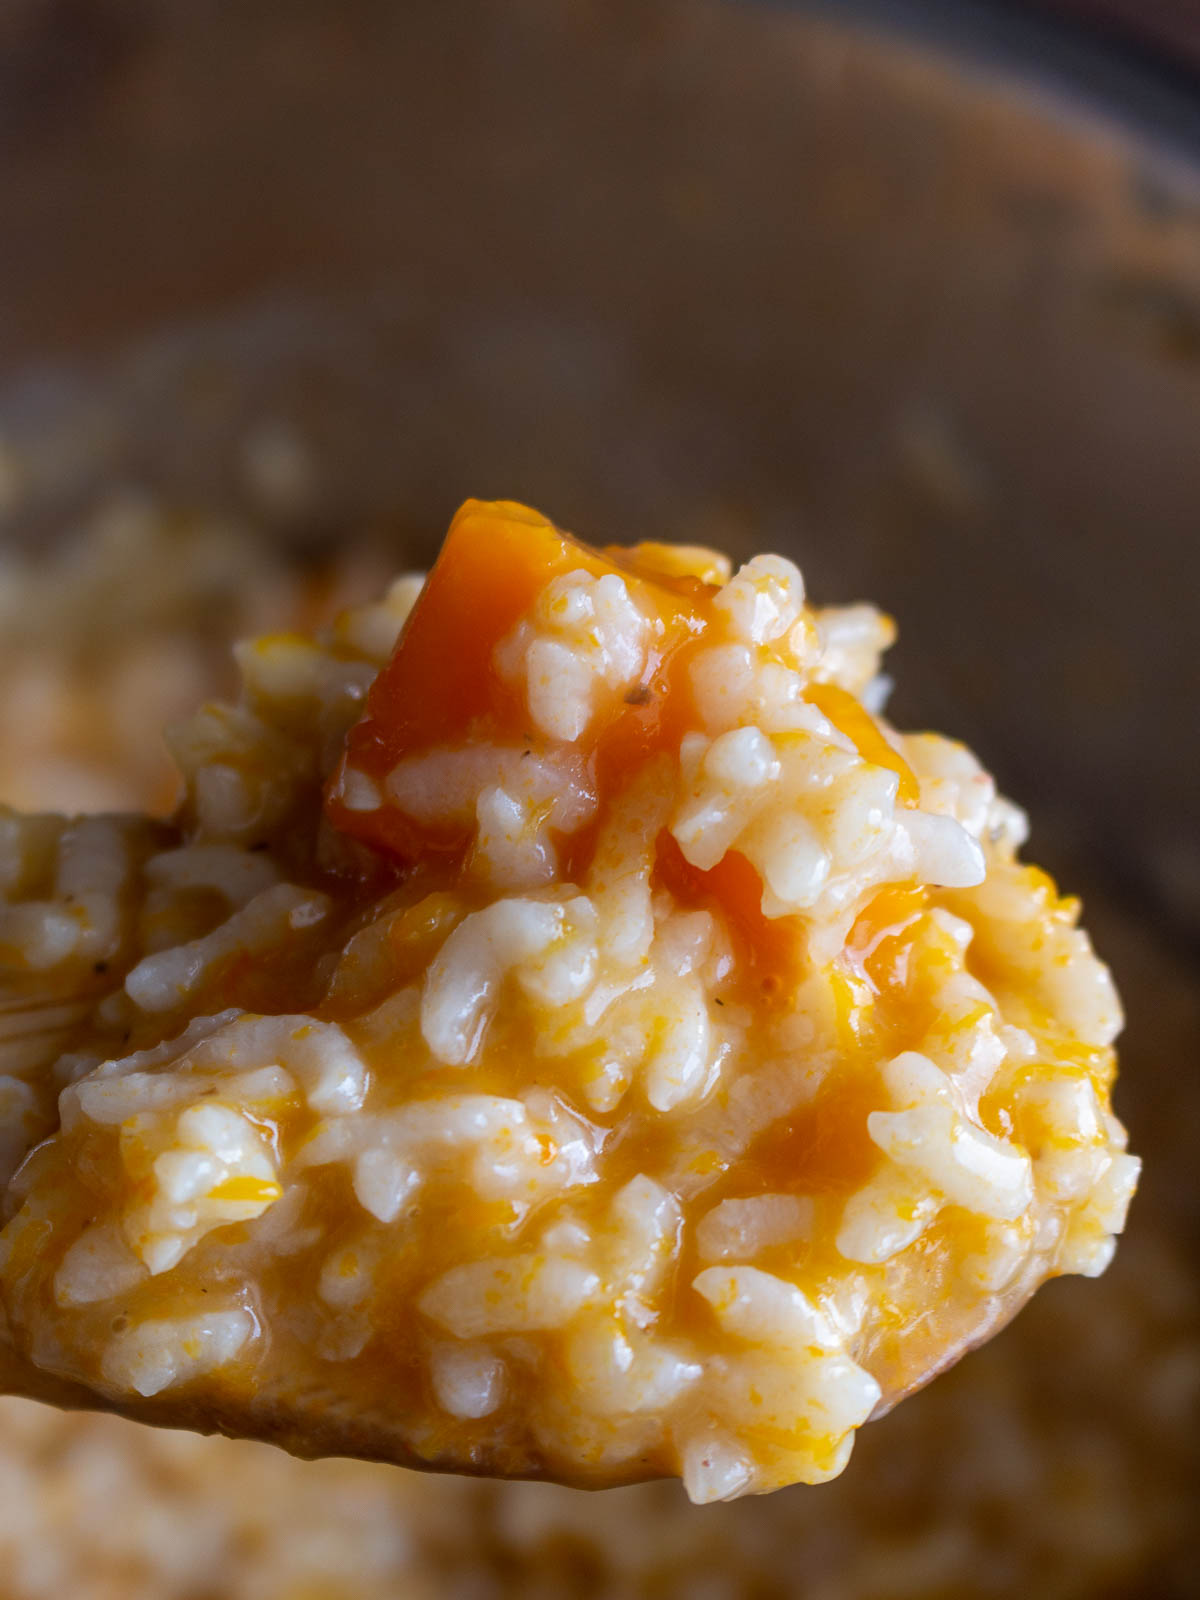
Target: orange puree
[441, 687]
[668, 1092]
[850, 718]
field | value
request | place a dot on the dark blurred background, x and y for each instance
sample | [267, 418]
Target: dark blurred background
[910, 291]
[1171, 28]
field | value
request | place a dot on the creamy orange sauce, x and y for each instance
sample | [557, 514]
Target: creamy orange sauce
[852, 719]
[441, 687]
[788, 1040]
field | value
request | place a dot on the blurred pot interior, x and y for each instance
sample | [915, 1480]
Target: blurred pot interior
[909, 303]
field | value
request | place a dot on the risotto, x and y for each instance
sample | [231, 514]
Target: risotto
[580, 1039]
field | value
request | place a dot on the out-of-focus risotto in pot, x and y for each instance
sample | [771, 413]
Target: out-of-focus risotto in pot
[581, 1038]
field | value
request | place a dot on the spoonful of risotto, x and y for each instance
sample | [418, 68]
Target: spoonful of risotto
[566, 1032]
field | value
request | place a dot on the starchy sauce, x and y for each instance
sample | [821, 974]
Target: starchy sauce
[583, 1041]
